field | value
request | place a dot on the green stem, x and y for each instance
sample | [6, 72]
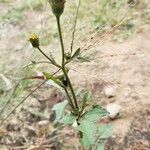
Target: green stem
[70, 86]
[54, 63]
[36, 63]
[63, 62]
[70, 100]
[61, 40]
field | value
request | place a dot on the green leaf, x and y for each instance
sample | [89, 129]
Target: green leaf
[87, 97]
[96, 113]
[51, 77]
[48, 75]
[89, 130]
[85, 142]
[101, 146]
[77, 52]
[68, 119]
[105, 131]
[60, 110]
[82, 59]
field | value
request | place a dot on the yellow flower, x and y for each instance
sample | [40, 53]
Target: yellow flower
[34, 40]
[57, 7]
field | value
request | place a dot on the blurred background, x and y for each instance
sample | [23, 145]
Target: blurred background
[114, 37]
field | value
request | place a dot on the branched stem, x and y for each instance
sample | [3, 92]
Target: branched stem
[63, 63]
[53, 62]
[71, 87]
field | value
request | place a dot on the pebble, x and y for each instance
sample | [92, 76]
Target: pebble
[109, 91]
[43, 123]
[114, 110]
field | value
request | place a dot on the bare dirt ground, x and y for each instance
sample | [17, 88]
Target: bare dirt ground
[124, 66]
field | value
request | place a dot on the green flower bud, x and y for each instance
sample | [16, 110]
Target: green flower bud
[68, 56]
[57, 7]
[63, 80]
[34, 40]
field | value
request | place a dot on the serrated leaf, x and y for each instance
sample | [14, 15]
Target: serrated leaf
[60, 110]
[105, 131]
[85, 143]
[87, 97]
[89, 131]
[96, 113]
[68, 119]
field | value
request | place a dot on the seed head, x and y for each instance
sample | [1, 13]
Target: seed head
[34, 40]
[57, 7]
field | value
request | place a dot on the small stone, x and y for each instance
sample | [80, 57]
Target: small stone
[109, 91]
[114, 110]
[43, 123]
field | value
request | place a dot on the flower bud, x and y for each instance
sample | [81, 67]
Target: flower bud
[34, 40]
[57, 7]
[68, 56]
